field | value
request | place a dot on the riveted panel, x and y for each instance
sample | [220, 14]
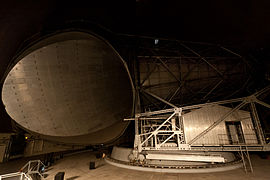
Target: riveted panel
[69, 88]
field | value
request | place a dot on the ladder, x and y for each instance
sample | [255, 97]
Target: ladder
[243, 150]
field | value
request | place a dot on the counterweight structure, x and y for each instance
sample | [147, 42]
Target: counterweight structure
[170, 134]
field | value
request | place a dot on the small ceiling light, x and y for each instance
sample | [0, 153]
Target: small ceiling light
[26, 137]
[156, 41]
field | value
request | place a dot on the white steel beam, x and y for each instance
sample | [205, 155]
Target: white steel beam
[257, 123]
[167, 139]
[186, 157]
[159, 98]
[191, 107]
[261, 91]
[155, 132]
[262, 103]
[217, 122]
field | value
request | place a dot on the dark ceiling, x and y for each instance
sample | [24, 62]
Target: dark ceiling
[243, 23]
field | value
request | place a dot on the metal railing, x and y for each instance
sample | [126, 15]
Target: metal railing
[33, 167]
[17, 175]
[245, 139]
[30, 168]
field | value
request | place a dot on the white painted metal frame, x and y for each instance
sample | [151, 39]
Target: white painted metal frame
[20, 175]
[33, 167]
[186, 157]
[161, 129]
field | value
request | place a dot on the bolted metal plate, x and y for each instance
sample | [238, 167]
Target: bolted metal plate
[68, 88]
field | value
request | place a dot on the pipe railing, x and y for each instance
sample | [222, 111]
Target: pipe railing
[32, 167]
[19, 175]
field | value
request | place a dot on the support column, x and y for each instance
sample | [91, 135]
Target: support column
[257, 124]
[137, 103]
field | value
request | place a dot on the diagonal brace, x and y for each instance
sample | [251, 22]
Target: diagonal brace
[262, 103]
[202, 58]
[155, 132]
[159, 98]
[168, 69]
[217, 122]
[167, 139]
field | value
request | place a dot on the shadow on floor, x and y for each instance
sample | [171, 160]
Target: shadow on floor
[72, 178]
[100, 165]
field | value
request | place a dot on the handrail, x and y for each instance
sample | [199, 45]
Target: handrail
[31, 167]
[16, 174]
[248, 139]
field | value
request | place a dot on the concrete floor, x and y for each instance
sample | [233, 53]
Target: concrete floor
[76, 167]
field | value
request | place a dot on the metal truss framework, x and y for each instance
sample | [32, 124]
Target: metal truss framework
[163, 129]
[186, 72]
[33, 167]
[30, 168]
[17, 175]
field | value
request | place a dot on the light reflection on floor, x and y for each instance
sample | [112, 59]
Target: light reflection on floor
[76, 167]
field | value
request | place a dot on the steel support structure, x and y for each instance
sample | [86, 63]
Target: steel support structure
[33, 167]
[174, 73]
[160, 132]
[163, 129]
[17, 175]
[257, 124]
[187, 63]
